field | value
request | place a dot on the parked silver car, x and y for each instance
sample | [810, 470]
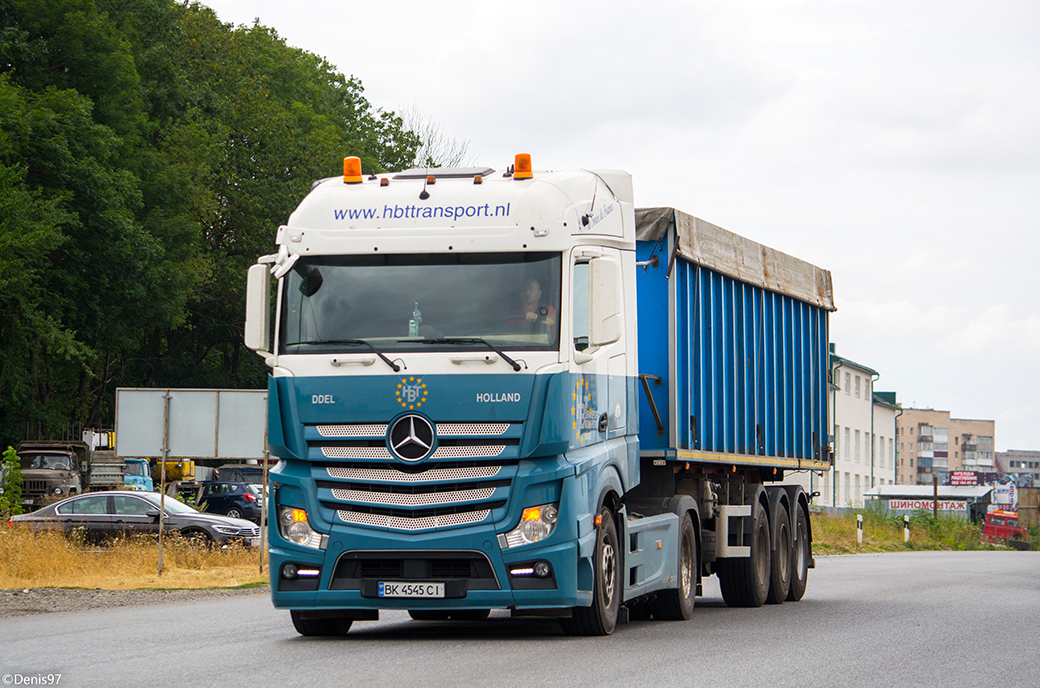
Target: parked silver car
[106, 514]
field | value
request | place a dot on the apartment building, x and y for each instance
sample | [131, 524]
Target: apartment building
[931, 443]
[863, 426]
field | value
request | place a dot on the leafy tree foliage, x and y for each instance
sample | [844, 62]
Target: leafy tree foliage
[147, 154]
[10, 484]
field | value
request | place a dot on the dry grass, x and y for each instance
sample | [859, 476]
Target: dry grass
[39, 559]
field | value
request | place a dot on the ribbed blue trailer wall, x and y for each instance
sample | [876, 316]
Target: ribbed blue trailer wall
[743, 366]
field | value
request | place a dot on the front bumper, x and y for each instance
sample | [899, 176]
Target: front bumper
[476, 573]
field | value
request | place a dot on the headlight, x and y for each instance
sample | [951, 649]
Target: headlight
[293, 525]
[536, 523]
[57, 490]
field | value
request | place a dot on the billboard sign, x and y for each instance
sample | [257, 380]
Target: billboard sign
[196, 423]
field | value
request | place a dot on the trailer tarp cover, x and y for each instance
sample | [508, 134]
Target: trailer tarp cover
[713, 247]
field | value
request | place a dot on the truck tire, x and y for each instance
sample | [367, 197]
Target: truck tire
[745, 581]
[677, 604]
[319, 626]
[780, 570]
[601, 617]
[800, 554]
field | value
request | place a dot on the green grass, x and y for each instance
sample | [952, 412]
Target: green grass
[883, 532]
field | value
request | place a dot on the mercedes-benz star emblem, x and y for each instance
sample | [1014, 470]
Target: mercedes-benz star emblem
[411, 438]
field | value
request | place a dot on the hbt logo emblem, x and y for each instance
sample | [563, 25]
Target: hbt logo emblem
[411, 393]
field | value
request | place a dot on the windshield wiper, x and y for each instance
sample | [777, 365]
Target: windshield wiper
[465, 340]
[356, 342]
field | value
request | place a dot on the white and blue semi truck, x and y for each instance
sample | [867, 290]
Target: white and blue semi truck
[514, 390]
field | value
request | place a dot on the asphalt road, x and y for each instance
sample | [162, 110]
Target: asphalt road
[916, 619]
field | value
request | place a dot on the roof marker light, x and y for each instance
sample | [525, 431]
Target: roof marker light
[385, 181]
[522, 169]
[352, 170]
[477, 179]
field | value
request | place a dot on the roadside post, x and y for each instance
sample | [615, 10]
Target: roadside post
[906, 527]
[859, 528]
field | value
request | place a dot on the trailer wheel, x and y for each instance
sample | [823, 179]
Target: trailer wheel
[319, 626]
[601, 617]
[677, 604]
[745, 581]
[800, 553]
[780, 570]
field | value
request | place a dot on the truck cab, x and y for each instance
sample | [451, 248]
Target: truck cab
[137, 475]
[1003, 525]
[50, 469]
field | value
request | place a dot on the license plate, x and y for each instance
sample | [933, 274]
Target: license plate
[401, 589]
[253, 542]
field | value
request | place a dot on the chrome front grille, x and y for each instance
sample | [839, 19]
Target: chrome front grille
[443, 429]
[442, 452]
[363, 484]
[392, 475]
[412, 499]
[419, 523]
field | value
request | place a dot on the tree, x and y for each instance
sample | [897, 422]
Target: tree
[437, 150]
[148, 153]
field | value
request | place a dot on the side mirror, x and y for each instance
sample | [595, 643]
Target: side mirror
[152, 513]
[258, 308]
[605, 301]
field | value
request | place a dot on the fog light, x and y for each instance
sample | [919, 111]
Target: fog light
[289, 571]
[542, 569]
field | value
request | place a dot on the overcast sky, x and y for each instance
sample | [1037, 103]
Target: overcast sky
[896, 144]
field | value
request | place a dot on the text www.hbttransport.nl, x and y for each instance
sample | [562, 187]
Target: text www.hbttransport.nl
[398, 212]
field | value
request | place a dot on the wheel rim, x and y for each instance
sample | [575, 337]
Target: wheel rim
[608, 562]
[686, 574]
[783, 546]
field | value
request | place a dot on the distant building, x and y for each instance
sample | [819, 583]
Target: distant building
[862, 431]
[1022, 464]
[931, 443]
[969, 502]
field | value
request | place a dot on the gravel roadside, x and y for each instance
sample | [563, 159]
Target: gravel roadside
[47, 600]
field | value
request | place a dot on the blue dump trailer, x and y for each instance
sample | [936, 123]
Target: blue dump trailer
[513, 390]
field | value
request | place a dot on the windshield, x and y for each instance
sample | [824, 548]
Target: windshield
[54, 462]
[134, 468]
[397, 302]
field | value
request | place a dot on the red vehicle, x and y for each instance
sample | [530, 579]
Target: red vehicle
[1002, 525]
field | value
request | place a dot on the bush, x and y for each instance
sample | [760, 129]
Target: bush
[10, 484]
